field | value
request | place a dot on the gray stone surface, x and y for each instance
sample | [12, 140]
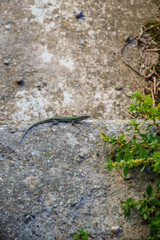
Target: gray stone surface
[57, 65]
[48, 189]
[69, 66]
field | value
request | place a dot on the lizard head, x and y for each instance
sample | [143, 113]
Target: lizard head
[83, 117]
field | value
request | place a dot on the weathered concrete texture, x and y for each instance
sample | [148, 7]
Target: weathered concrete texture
[55, 183]
[69, 66]
[53, 64]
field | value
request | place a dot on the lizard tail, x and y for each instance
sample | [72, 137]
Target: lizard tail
[33, 125]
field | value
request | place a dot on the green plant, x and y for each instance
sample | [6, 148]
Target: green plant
[128, 204]
[144, 147]
[148, 208]
[81, 235]
[140, 151]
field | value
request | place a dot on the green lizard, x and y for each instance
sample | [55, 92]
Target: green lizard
[56, 120]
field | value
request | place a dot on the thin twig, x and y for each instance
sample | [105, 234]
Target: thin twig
[143, 62]
[155, 89]
[131, 40]
[153, 100]
[127, 64]
[157, 25]
[158, 84]
[152, 40]
[128, 114]
[140, 82]
[153, 50]
[148, 45]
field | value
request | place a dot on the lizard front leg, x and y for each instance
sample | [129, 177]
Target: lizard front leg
[54, 122]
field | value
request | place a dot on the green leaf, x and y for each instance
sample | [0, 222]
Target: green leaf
[145, 216]
[134, 138]
[154, 110]
[155, 227]
[156, 166]
[121, 137]
[156, 154]
[81, 234]
[130, 203]
[158, 183]
[104, 137]
[142, 152]
[142, 169]
[126, 208]
[149, 190]
[156, 220]
[148, 99]
[136, 94]
[125, 171]
[144, 136]
[144, 208]
[108, 164]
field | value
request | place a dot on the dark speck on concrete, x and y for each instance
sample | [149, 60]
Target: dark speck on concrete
[97, 154]
[127, 39]
[80, 15]
[20, 81]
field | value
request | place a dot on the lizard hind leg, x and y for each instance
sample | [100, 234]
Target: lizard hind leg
[74, 123]
[54, 122]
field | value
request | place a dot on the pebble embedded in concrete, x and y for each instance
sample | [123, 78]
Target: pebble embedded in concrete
[7, 26]
[6, 62]
[81, 155]
[115, 229]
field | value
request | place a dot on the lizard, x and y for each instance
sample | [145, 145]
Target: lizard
[56, 120]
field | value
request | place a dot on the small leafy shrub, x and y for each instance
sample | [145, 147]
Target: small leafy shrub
[81, 235]
[144, 147]
[141, 151]
[148, 208]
